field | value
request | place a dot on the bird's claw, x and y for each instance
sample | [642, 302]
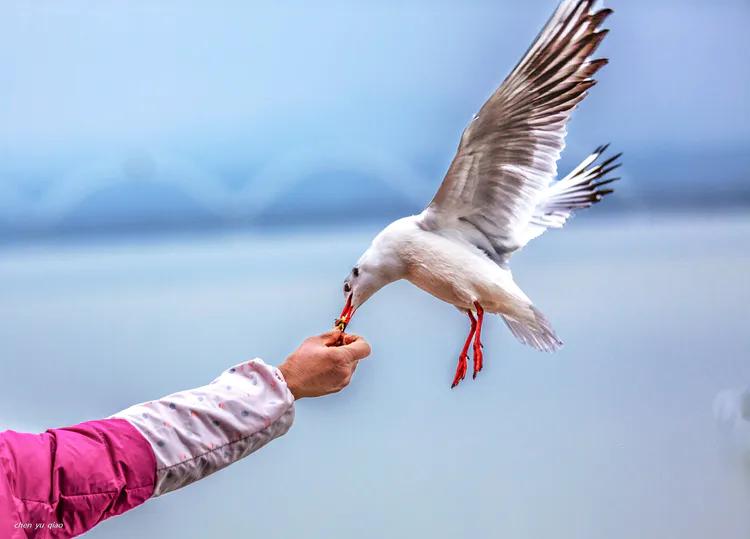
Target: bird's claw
[460, 370]
[478, 360]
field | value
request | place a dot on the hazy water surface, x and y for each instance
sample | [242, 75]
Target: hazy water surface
[613, 437]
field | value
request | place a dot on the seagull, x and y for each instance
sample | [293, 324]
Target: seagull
[500, 192]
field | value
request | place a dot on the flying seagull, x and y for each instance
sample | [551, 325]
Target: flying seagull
[500, 191]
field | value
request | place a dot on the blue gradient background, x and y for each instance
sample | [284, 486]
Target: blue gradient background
[183, 186]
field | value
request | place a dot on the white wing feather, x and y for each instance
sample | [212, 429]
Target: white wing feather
[508, 154]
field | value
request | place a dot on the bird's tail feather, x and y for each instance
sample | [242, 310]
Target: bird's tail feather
[537, 333]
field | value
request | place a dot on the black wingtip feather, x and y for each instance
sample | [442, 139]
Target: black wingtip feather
[601, 149]
[607, 170]
[604, 182]
[599, 62]
[610, 159]
[598, 17]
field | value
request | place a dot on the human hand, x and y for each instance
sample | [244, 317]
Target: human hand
[323, 364]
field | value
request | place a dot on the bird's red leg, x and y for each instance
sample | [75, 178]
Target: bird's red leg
[463, 358]
[478, 356]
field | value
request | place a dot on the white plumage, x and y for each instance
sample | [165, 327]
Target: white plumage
[499, 193]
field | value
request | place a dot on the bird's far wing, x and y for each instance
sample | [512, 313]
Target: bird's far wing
[508, 154]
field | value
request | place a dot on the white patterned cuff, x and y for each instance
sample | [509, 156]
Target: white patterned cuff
[198, 431]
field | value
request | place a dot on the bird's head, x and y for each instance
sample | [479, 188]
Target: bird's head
[377, 267]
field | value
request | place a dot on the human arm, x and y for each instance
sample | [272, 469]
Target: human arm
[75, 477]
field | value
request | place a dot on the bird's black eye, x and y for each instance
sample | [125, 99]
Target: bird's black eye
[355, 271]
[347, 287]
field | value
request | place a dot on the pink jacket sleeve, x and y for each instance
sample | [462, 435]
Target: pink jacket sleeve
[63, 482]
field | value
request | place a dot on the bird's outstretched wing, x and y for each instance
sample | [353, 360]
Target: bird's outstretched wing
[508, 154]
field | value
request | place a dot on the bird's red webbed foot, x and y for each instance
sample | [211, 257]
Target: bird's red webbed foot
[478, 355]
[464, 357]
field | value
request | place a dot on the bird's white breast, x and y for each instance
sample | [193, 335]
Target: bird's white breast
[452, 269]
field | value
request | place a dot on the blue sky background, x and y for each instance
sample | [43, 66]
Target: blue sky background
[132, 115]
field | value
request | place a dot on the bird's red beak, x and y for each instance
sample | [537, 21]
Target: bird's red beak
[346, 315]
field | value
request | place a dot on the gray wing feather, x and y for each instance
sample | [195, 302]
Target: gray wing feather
[508, 153]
